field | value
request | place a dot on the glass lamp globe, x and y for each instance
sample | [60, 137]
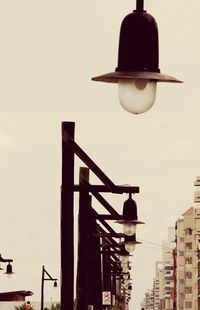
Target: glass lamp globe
[129, 229]
[130, 246]
[137, 95]
[126, 282]
[123, 259]
[125, 267]
[126, 276]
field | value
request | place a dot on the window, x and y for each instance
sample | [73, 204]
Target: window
[188, 260]
[188, 305]
[188, 231]
[181, 239]
[188, 245]
[188, 290]
[188, 275]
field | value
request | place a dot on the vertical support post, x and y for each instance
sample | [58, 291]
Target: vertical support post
[42, 290]
[95, 287]
[113, 286]
[67, 221]
[83, 241]
[106, 270]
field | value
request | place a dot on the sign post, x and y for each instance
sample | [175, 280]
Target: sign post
[106, 298]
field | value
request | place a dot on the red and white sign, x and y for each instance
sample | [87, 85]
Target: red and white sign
[106, 298]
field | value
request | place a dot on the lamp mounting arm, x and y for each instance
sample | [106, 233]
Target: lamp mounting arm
[49, 277]
[5, 260]
[139, 6]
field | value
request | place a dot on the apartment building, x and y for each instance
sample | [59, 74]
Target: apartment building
[148, 301]
[177, 277]
[158, 285]
[168, 269]
[188, 235]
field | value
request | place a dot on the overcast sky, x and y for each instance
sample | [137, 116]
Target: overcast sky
[49, 50]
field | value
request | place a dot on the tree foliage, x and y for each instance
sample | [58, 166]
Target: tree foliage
[25, 306]
[54, 307]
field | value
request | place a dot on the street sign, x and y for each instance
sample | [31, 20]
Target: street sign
[106, 298]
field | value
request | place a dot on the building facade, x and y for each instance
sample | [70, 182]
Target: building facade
[188, 236]
[177, 279]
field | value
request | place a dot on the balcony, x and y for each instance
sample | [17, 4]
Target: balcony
[169, 286]
[168, 273]
[167, 295]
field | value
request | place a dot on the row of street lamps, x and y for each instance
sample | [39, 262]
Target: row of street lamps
[103, 264]
[137, 74]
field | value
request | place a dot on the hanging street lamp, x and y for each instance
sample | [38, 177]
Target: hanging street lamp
[138, 70]
[9, 270]
[46, 277]
[130, 221]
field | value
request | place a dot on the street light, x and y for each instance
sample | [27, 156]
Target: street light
[138, 70]
[130, 221]
[69, 149]
[44, 272]
[9, 271]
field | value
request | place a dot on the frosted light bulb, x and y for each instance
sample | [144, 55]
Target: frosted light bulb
[129, 229]
[123, 259]
[125, 268]
[129, 246]
[137, 95]
[126, 276]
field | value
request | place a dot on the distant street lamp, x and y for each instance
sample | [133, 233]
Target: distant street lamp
[138, 70]
[9, 271]
[44, 272]
[130, 221]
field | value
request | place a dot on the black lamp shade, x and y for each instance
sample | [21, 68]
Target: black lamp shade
[9, 269]
[129, 212]
[123, 251]
[138, 43]
[138, 53]
[55, 284]
[131, 239]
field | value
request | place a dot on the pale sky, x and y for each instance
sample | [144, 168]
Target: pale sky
[49, 50]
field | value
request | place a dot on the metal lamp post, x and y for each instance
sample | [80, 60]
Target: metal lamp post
[138, 70]
[69, 149]
[44, 272]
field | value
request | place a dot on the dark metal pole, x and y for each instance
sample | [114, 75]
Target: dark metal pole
[67, 221]
[83, 242]
[42, 289]
[95, 287]
[140, 6]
